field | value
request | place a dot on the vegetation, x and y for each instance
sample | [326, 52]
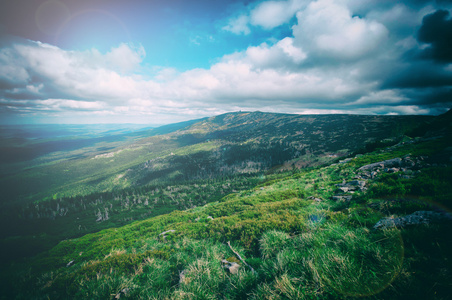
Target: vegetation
[292, 233]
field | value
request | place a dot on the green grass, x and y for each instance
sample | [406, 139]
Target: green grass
[299, 248]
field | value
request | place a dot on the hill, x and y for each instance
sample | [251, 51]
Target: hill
[111, 178]
[375, 225]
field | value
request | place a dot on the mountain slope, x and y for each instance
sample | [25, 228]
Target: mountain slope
[178, 166]
[308, 234]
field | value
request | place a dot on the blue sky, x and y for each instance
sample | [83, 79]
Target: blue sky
[157, 62]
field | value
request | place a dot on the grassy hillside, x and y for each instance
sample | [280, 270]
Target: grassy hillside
[111, 180]
[376, 225]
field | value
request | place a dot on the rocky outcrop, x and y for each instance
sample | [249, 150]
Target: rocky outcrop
[352, 186]
[417, 218]
[406, 165]
[395, 162]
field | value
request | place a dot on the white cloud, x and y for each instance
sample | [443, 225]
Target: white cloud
[335, 62]
[382, 97]
[271, 14]
[266, 14]
[86, 75]
[327, 28]
[238, 25]
[11, 67]
[125, 58]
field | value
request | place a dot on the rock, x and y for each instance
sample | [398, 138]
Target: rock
[210, 217]
[416, 218]
[124, 292]
[344, 198]
[345, 160]
[315, 199]
[344, 189]
[232, 267]
[168, 231]
[395, 162]
[182, 276]
[351, 186]
[392, 170]
[163, 234]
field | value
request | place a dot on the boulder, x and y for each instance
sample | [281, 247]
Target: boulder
[390, 163]
[232, 267]
[416, 218]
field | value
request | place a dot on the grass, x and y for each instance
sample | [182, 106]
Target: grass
[299, 248]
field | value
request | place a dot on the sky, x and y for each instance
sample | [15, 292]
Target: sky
[166, 61]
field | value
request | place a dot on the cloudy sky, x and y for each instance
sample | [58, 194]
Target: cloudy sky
[163, 61]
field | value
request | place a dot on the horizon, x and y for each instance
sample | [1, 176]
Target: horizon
[159, 62]
[153, 125]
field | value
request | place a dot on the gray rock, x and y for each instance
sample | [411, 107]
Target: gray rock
[342, 198]
[344, 189]
[232, 267]
[315, 199]
[168, 231]
[345, 160]
[395, 162]
[416, 218]
[182, 276]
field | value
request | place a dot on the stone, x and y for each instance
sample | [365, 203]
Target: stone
[344, 189]
[182, 276]
[344, 198]
[416, 218]
[392, 170]
[232, 267]
[395, 162]
[168, 231]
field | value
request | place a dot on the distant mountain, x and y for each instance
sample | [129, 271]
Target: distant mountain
[240, 142]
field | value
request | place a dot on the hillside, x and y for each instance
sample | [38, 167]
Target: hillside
[111, 180]
[371, 226]
[234, 142]
[374, 225]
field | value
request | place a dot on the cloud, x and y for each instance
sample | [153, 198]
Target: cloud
[327, 29]
[334, 60]
[271, 14]
[283, 54]
[266, 15]
[382, 97]
[87, 75]
[436, 30]
[238, 25]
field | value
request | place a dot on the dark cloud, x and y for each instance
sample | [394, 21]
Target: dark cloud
[438, 96]
[418, 75]
[436, 30]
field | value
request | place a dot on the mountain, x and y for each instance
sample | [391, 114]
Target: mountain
[225, 144]
[110, 178]
[230, 217]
